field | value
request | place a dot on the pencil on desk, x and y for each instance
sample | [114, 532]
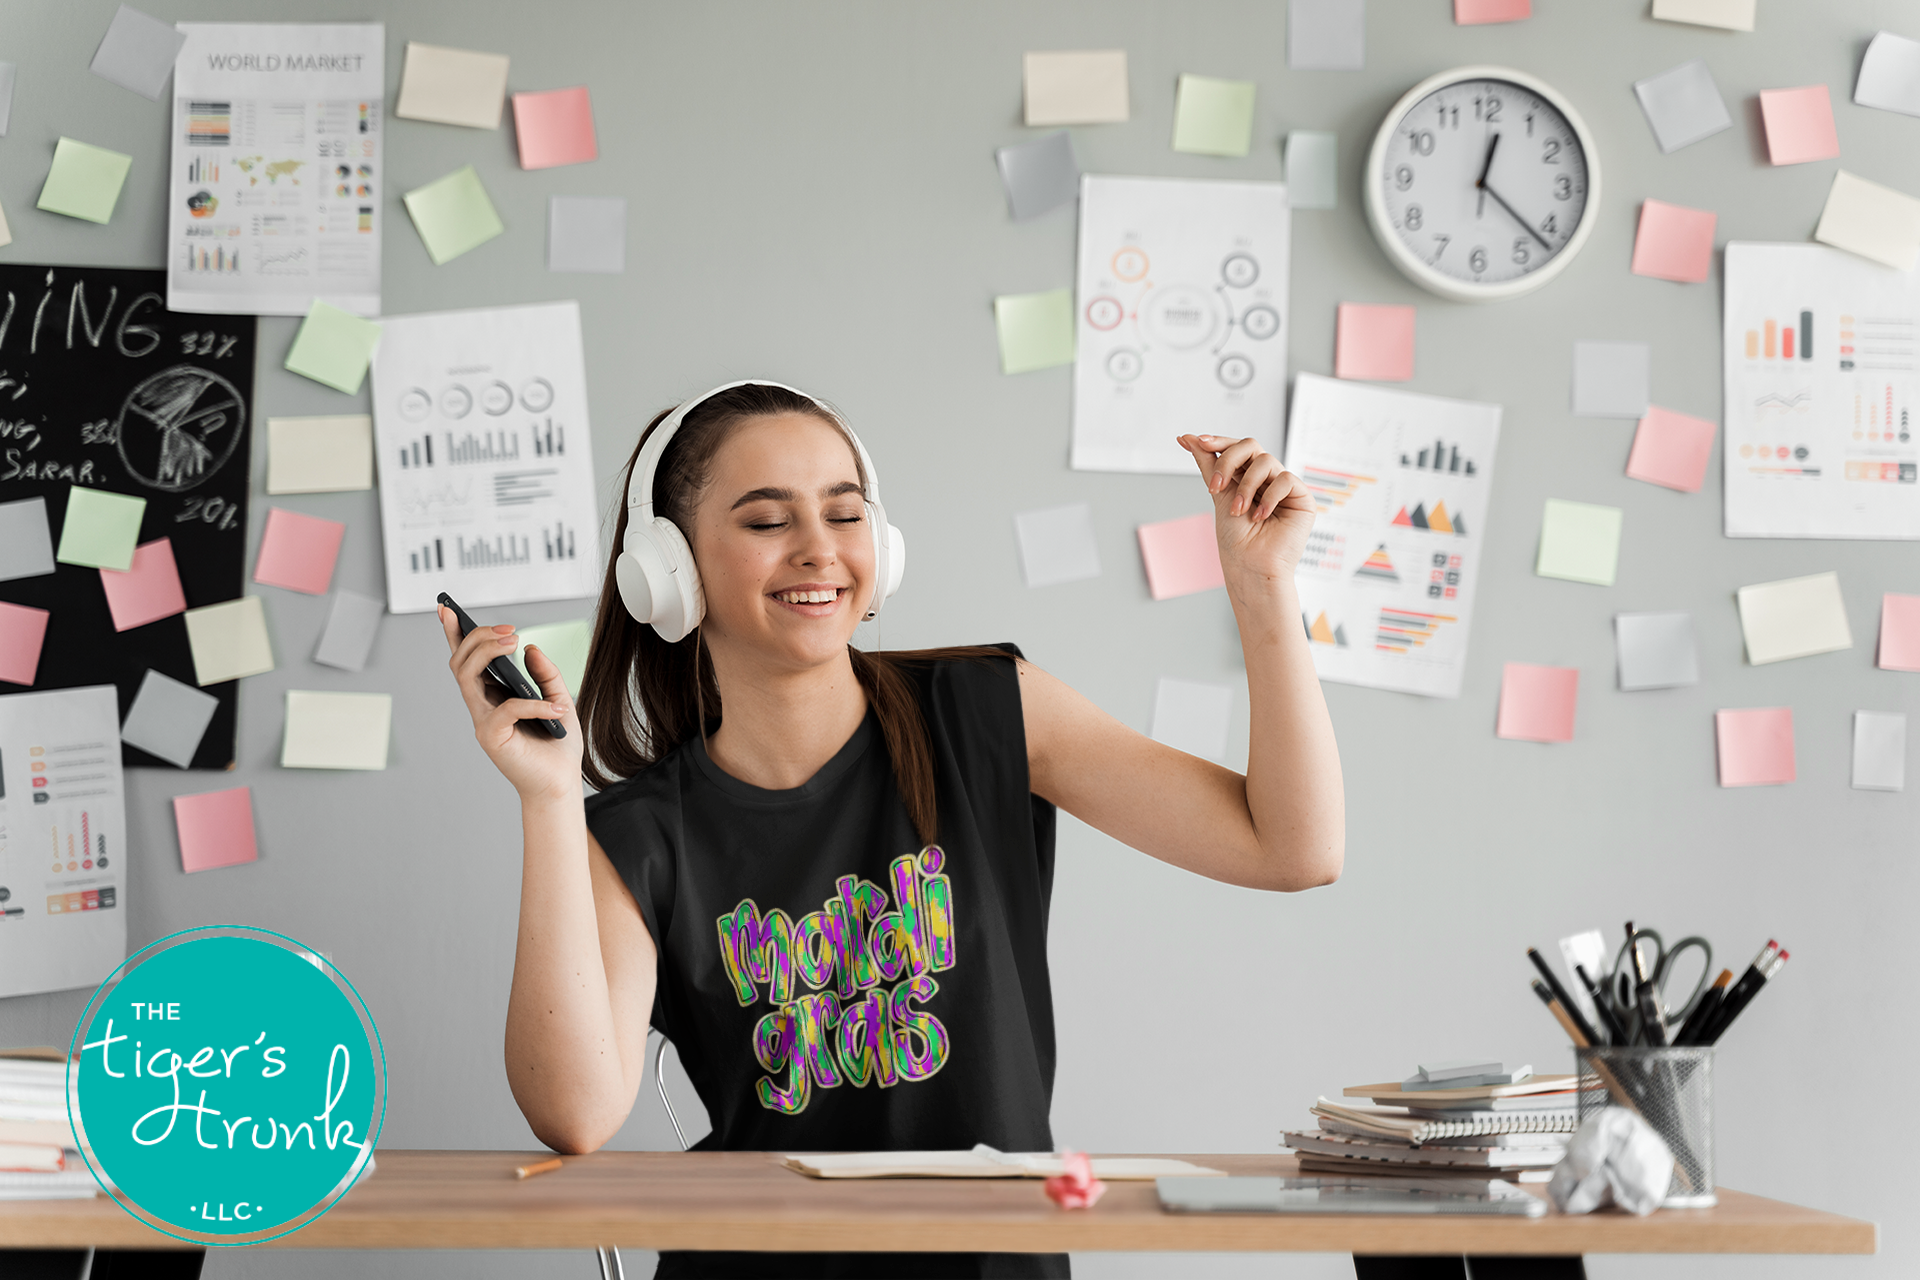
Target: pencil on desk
[533, 1170]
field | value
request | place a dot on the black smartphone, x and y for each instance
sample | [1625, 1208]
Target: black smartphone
[506, 674]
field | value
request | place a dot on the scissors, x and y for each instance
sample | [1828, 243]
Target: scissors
[1659, 966]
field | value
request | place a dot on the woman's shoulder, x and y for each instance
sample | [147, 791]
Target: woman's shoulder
[658, 782]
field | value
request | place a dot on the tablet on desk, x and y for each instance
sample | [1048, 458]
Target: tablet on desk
[1346, 1195]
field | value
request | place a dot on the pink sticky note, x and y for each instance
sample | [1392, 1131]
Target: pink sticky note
[148, 591]
[1799, 124]
[554, 127]
[1182, 556]
[1375, 343]
[1536, 703]
[216, 829]
[297, 552]
[1469, 13]
[1674, 243]
[22, 629]
[1899, 633]
[1671, 449]
[1077, 1188]
[1756, 746]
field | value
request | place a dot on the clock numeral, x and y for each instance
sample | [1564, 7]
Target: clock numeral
[1477, 259]
[1550, 151]
[1414, 217]
[1529, 124]
[1403, 177]
[1520, 254]
[1550, 227]
[1449, 116]
[1563, 188]
[1491, 109]
[1444, 242]
[1422, 142]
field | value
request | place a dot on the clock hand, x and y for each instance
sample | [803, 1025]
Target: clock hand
[1527, 226]
[1487, 168]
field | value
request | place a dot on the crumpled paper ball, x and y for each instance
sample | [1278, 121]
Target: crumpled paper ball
[1077, 1188]
[1614, 1158]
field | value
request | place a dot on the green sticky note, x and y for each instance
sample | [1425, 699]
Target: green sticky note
[452, 215]
[333, 346]
[85, 181]
[1213, 117]
[565, 643]
[1036, 330]
[101, 529]
[1579, 542]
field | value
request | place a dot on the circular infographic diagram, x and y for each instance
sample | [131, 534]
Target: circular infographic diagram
[1240, 270]
[1183, 316]
[1234, 372]
[1124, 365]
[1105, 313]
[536, 395]
[496, 398]
[1260, 322]
[456, 401]
[416, 404]
[179, 427]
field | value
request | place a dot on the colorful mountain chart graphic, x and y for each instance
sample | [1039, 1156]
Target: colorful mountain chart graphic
[1378, 566]
[1320, 633]
[1404, 630]
[1331, 489]
[1438, 521]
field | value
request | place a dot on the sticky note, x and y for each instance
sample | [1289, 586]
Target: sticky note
[1611, 379]
[1673, 243]
[138, 52]
[565, 643]
[1799, 124]
[1537, 703]
[1039, 176]
[320, 455]
[229, 640]
[1871, 220]
[297, 551]
[554, 127]
[1879, 751]
[1078, 86]
[1671, 449]
[1794, 618]
[453, 215]
[1889, 75]
[1373, 342]
[1313, 170]
[22, 629]
[333, 347]
[26, 548]
[85, 181]
[1683, 105]
[1655, 650]
[1326, 35]
[7, 75]
[1732, 15]
[587, 233]
[1756, 746]
[1181, 556]
[148, 590]
[352, 622]
[1191, 716]
[100, 528]
[1468, 13]
[1213, 117]
[336, 730]
[1057, 545]
[6, 232]
[452, 86]
[1899, 633]
[1036, 330]
[1579, 542]
[216, 829]
[168, 719]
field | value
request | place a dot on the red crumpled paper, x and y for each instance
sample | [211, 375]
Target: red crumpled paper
[1077, 1188]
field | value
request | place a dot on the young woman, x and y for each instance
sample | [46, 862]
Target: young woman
[824, 873]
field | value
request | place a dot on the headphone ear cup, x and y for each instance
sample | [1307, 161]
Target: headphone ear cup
[896, 558]
[658, 582]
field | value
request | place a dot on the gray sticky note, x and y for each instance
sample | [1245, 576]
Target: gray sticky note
[1057, 545]
[1040, 175]
[1683, 105]
[1890, 75]
[1612, 379]
[1656, 650]
[1313, 180]
[138, 52]
[1326, 35]
[1879, 751]
[26, 545]
[587, 233]
[168, 719]
[6, 96]
[352, 622]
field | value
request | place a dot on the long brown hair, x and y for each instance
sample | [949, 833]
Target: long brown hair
[641, 696]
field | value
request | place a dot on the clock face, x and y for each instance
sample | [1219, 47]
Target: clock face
[1484, 181]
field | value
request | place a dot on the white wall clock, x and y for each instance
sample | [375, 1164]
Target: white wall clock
[1483, 183]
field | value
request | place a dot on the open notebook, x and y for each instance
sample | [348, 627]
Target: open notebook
[983, 1162]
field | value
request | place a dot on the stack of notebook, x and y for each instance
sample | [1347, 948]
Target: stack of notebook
[37, 1156]
[1445, 1122]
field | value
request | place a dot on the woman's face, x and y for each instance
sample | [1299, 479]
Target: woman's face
[782, 541]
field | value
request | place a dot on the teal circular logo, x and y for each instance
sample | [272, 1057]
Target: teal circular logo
[226, 1085]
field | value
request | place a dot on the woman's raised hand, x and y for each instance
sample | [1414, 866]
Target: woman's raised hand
[538, 766]
[1262, 512]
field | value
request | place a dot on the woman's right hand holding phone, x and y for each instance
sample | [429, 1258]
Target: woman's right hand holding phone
[539, 767]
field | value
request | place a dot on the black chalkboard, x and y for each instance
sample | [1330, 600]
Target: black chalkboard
[101, 385]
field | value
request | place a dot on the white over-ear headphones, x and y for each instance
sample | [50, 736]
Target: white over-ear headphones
[655, 572]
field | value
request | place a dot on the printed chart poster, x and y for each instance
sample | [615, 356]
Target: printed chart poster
[1182, 324]
[1820, 354]
[63, 840]
[275, 194]
[486, 460]
[1393, 562]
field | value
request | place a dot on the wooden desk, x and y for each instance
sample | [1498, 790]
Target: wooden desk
[744, 1200]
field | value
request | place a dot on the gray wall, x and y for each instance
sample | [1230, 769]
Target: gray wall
[813, 198]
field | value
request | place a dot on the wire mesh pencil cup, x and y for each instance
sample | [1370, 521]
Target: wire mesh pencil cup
[1672, 1090]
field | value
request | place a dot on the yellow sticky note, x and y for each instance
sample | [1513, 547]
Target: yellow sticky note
[333, 347]
[6, 232]
[1213, 117]
[1579, 542]
[229, 640]
[452, 86]
[1871, 220]
[1730, 15]
[320, 455]
[453, 214]
[336, 730]
[1794, 618]
[565, 643]
[1036, 330]
[85, 181]
[1086, 86]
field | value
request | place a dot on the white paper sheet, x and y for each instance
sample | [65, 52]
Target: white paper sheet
[1393, 563]
[1182, 323]
[276, 192]
[63, 840]
[1822, 360]
[486, 458]
[1879, 751]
